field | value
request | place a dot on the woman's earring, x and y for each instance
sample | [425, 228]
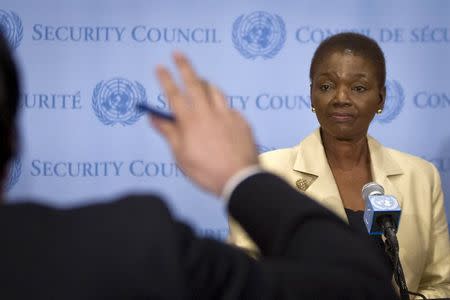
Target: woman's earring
[313, 109]
[379, 111]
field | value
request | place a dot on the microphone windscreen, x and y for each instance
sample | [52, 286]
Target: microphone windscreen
[371, 188]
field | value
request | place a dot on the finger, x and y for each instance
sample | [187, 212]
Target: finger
[192, 83]
[217, 98]
[167, 129]
[171, 90]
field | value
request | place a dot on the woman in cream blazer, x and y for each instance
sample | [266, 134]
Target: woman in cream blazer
[348, 75]
[422, 234]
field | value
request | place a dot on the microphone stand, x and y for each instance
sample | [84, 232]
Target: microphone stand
[392, 250]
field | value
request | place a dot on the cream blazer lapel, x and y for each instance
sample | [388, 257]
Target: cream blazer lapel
[311, 163]
[383, 167]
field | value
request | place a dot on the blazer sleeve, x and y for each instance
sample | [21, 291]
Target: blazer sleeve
[214, 270]
[435, 281]
[239, 238]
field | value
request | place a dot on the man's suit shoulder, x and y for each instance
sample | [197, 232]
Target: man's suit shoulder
[132, 218]
[128, 241]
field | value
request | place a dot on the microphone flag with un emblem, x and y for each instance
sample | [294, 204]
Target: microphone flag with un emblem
[380, 208]
[382, 216]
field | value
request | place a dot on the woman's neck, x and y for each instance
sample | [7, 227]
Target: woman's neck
[346, 154]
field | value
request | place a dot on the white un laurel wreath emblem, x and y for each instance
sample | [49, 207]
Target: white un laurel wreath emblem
[395, 99]
[11, 27]
[259, 34]
[114, 101]
[14, 174]
[384, 203]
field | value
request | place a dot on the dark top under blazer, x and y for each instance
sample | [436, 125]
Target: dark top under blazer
[133, 249]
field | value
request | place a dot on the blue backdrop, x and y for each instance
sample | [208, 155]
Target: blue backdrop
[85, 64]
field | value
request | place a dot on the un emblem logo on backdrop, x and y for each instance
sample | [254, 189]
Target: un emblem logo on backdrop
[14, 173]
[395, 99]
[11, 27]
[114, 101]
[259, 34]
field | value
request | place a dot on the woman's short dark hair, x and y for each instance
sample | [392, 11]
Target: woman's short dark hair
[9, 101]
[359, 44]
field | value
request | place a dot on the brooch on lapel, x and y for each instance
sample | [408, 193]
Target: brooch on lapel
[303, 184]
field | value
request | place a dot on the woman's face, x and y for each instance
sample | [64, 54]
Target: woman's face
[346, 95]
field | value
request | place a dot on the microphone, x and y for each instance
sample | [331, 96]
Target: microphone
[382, 216]
[382, 212]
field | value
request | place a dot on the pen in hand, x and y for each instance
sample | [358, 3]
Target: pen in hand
[155, 112]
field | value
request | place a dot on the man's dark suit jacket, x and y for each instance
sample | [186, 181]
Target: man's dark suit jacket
[134, 249]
